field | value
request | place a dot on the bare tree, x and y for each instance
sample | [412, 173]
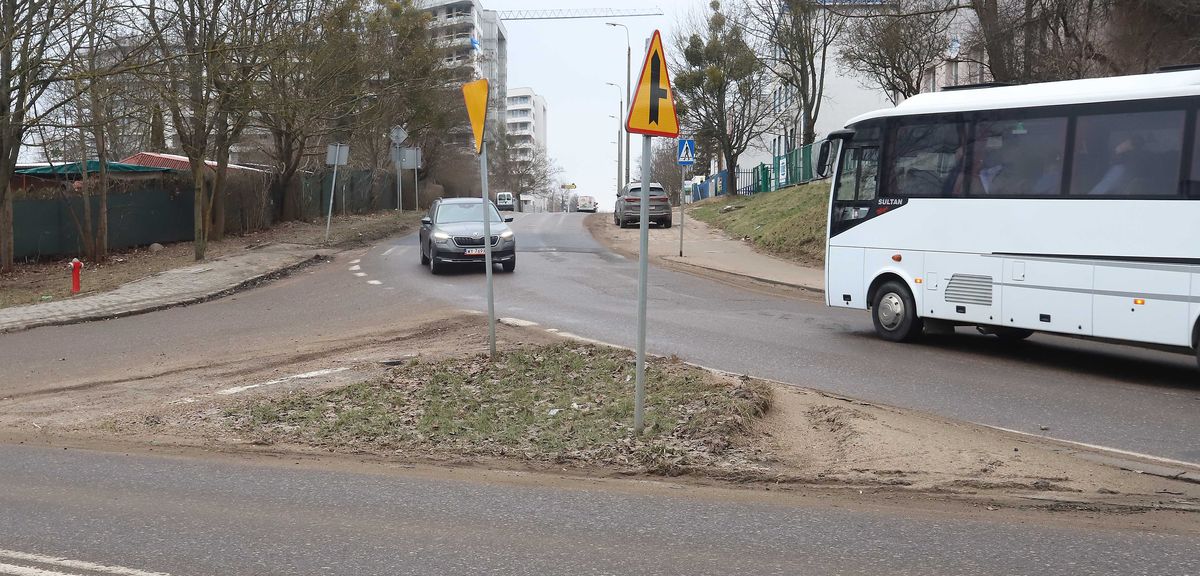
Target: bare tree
[719, 86]
[890, 50]
[34, 54]
[664, 163]
[797, 39]
[523, 170]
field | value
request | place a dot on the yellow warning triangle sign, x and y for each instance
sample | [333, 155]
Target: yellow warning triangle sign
[476, 95]
[652, 111]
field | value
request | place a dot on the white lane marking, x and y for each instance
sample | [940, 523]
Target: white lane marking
[466, 311]
[355, 268]
[389, 251]
[360, 274]
[73, 564]
[374, 282]
[356, 261]
[303, 376]
[1158, 459]
[25, 571]
[517, 322]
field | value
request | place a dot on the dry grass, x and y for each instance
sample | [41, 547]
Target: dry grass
[789, 223]
[562, 403]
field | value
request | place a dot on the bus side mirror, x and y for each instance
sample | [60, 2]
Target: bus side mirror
[824, 161]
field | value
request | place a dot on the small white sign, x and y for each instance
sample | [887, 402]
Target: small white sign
[337, 154]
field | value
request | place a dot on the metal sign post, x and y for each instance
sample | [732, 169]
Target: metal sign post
[686, 157]
[398, 135]
[651, 113]
[397, 160]
[476, 96]
[336, 155]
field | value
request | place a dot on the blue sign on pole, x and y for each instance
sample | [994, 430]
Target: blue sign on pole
[687, 152]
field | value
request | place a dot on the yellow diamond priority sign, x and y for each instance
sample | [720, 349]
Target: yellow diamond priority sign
[652, 111]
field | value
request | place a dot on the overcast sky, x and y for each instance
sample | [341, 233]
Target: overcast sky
[568, 63]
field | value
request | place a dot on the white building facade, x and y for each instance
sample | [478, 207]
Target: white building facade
[526, 118]
[476, 38]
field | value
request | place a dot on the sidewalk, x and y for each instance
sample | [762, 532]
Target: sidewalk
[174, 287]
[709, 248]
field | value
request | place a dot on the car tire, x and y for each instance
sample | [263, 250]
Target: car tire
[510, 265]
[894, 313]
[666, 223]
[424, 257]
[434, 267]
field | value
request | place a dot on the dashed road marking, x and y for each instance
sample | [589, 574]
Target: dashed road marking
[355, 261]
[360, 274]
[389, 251]
[374, 282]
[304, 376]
[355, 267]
[517, 322]
[59, 562]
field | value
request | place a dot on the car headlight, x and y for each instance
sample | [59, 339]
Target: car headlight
[440, 237]
[506, 235]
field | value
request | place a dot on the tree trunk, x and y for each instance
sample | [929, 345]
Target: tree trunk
[199, 234]
[731, 179]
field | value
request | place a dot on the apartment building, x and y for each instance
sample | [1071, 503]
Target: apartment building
[526, 120]
[474, 38]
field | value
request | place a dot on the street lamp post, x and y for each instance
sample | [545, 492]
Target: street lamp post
[628, 79]
[618, 117]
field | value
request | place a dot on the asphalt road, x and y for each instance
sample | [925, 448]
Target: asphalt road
[1122, 397]
[200, 517]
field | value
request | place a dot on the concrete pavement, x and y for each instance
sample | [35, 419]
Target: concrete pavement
[199, 517]
[185, 285]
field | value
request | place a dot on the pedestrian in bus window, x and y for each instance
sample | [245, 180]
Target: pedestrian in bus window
[1116, 179]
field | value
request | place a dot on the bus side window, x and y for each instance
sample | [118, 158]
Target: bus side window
[1130, 154]
[1194, 179]
[927, 159]
[848, 175]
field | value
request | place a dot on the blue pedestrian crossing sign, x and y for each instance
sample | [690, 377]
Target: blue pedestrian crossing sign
[687, 152]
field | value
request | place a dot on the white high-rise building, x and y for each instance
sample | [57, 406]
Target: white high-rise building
[526, 119]
[476, 38]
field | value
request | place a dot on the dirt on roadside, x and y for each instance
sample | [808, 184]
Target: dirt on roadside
[43, 281]
[369, 395]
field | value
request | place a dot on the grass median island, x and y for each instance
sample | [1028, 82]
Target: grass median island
[563, 403]
[789, 223]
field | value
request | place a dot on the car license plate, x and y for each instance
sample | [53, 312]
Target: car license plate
[474, 252]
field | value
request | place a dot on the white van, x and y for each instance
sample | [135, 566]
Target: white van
[504, 201]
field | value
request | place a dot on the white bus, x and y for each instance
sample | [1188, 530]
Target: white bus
[1067, 207]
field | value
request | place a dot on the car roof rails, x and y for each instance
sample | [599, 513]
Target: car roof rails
[976, 86]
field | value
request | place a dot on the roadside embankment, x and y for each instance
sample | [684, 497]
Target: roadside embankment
[787, 223]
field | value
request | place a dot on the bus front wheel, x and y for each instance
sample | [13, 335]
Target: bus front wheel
[895, 313]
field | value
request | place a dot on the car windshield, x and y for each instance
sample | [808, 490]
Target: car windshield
[458, 212]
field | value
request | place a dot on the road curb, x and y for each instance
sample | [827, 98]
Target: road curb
[806, 288]
[215, 294]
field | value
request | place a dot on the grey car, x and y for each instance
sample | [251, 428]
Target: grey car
[452, 233]
[629, 206]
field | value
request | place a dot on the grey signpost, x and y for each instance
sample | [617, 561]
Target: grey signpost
[335, 155]
[398, 135]
[687, 157]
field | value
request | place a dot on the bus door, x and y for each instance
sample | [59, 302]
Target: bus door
[856, 188]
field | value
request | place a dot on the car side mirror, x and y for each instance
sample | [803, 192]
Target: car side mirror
[426, 221]
[824, 160]
[508, 218]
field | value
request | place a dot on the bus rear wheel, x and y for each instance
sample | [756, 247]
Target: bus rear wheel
[894, 313]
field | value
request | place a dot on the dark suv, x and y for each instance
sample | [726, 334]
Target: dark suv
[452, 233]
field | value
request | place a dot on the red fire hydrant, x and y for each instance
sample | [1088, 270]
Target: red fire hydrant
[76, 269]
